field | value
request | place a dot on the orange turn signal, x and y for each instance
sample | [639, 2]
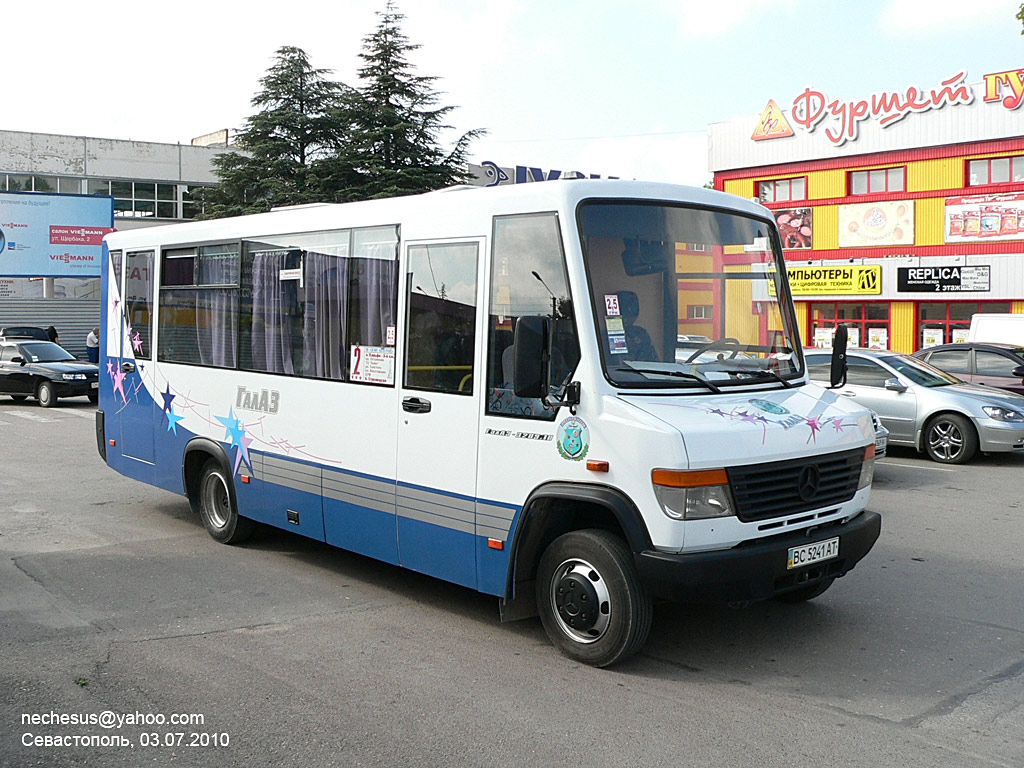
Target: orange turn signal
[495, 543]
[245, 479]
[869, 452]
[678, 478]
[597, 466]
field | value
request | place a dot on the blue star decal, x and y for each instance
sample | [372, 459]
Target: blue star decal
[234, 431]
[172, 421]
[168, 397]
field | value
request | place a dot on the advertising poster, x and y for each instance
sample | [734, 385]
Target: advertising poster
[931, 337]
[985, 218]
[943, 279]
[878, 338]
[882, 223]
[795, 228]
[858, 279]
[53, 235]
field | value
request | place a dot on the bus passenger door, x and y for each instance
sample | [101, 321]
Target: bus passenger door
[136, 409]
[438, 425]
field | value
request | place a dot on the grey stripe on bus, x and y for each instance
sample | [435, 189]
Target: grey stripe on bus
[443, 522]
[503, 513]
[492, 533]
[375, 490]
[490, 522]
[361, 501]
[362, 482]
[339, 491]
[440, 499]
[435, 509]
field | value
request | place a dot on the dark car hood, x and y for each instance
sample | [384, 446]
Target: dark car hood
[67, 366]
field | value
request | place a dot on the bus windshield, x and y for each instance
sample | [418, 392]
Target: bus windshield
[688, 297]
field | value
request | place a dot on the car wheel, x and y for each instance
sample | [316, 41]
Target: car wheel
[590, 599]
[94, 397]
[950, 439]
[803, 594]
[217, 506]
[46, 395]
[19, 398]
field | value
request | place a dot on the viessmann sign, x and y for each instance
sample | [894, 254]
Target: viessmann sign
[53, 235]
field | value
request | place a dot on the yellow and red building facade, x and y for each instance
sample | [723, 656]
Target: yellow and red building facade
[901, 213]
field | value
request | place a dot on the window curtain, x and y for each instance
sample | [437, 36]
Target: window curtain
[326, 307]
[272, 310]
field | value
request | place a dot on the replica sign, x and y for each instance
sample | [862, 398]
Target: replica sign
[943, 279]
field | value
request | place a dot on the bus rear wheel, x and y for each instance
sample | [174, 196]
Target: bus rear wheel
[590, 599]
[217, 506]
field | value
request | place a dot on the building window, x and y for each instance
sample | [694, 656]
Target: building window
[995, 170]
[877, 181]
[782, 190]
[700, 311]
[940, 322]
[867, 323]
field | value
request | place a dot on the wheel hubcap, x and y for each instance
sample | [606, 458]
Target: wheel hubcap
[581, 601]
[946, 440]
[216, 502]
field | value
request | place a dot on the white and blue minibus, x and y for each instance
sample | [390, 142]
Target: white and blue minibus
[580, 396]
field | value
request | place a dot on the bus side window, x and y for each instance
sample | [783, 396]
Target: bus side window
[528, 277]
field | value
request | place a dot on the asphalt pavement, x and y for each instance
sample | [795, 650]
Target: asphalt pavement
[284, 651]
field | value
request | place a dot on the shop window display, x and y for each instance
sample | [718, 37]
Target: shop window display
[940, 322]
[867, 323]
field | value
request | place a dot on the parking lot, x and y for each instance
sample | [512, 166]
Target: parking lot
[113, 598]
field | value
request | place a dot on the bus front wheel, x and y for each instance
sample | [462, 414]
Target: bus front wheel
[217, 506]
[590, 599]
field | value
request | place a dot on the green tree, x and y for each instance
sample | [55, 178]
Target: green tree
[396, 121]
[288, 146]
[1020, 15]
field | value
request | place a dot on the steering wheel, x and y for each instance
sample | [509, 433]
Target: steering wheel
[728, 341]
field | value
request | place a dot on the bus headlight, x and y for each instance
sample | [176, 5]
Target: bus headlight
[695, 495]
[867, 469]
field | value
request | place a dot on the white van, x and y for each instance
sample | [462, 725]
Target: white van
[579, 396]
[1005, 328]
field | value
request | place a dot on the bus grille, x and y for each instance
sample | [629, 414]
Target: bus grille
[780, 488]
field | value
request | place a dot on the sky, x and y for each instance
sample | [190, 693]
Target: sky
[623, 88]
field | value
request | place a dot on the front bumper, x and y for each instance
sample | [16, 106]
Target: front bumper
[74, 388]
[755, 570]
[996, 436]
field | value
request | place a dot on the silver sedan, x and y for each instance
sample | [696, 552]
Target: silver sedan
[926, 408]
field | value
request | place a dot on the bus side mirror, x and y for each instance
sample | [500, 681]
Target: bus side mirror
[529, 371]
[838, 372]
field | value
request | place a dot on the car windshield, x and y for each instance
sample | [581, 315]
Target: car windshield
[920, 372]
[687, 296]
[44, 352]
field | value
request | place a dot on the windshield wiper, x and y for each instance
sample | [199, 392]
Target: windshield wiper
[773, 374]
[677, 374]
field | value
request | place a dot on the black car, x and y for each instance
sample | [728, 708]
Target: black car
[992, 363]
[43, 370]
[23, 331]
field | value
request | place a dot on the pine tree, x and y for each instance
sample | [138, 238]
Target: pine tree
[396, 121]
[287, 144]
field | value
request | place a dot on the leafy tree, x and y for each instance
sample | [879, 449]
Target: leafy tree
[1020, 15]
[299, 125]
[396, 121]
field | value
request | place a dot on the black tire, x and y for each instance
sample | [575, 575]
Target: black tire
[216, 502]
[46, 394]
[803, 594]
[592, 567]
[94, 397]
[19, 398]
[950, 439]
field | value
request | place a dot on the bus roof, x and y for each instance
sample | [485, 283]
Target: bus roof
[455, 203]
